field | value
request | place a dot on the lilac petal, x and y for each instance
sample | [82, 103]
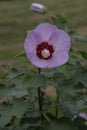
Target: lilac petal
[74, 117]
[83, 115]
[59, 58]
[40, 63]
[45, 29]
[60, 40]
[31, 41]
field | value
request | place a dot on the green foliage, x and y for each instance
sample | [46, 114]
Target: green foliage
[61, 124]
[19, 97]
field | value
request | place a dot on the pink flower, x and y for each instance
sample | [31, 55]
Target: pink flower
[47, 46]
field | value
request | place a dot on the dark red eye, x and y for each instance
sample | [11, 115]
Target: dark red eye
[44, 50]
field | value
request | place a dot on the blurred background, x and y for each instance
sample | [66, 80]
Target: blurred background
[16, 18]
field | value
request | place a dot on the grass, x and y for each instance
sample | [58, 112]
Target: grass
[16, 19]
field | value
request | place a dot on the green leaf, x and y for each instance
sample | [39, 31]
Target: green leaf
[5, 114]
[31, 123]
[61, 124]
[65, 124]
[8, 111]
[71, 108]
[81, 76]
[21, 54]
[3, 70]
[4, 91]
[66, 89]
[19, 90]
[84, 54]
[76, 57]
[31, 120]
[38, 81]
[67, 70]
[33, 82]
[77, 36]
[15, 72]
[60, 20]
[19, 107]
[33, 114]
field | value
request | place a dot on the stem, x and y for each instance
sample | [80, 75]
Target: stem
[39, 70]
[56, 113]
[50, 122]
[40, 98]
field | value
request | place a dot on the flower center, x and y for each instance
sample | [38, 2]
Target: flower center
[45, 53]
[44, 50]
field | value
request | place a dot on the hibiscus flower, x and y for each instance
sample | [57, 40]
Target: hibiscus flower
[47, 46]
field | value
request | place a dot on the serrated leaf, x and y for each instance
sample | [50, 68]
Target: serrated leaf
[38, 81]
[62, 17]
[8, 111]
[18, 90]
[60, 20]
[18, 93]
[33, 82]
[15, 72]
[19, 107]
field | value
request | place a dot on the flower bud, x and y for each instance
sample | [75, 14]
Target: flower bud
[38, 8]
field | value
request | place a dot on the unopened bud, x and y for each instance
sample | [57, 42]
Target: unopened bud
[38, 8]
[51, 92]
